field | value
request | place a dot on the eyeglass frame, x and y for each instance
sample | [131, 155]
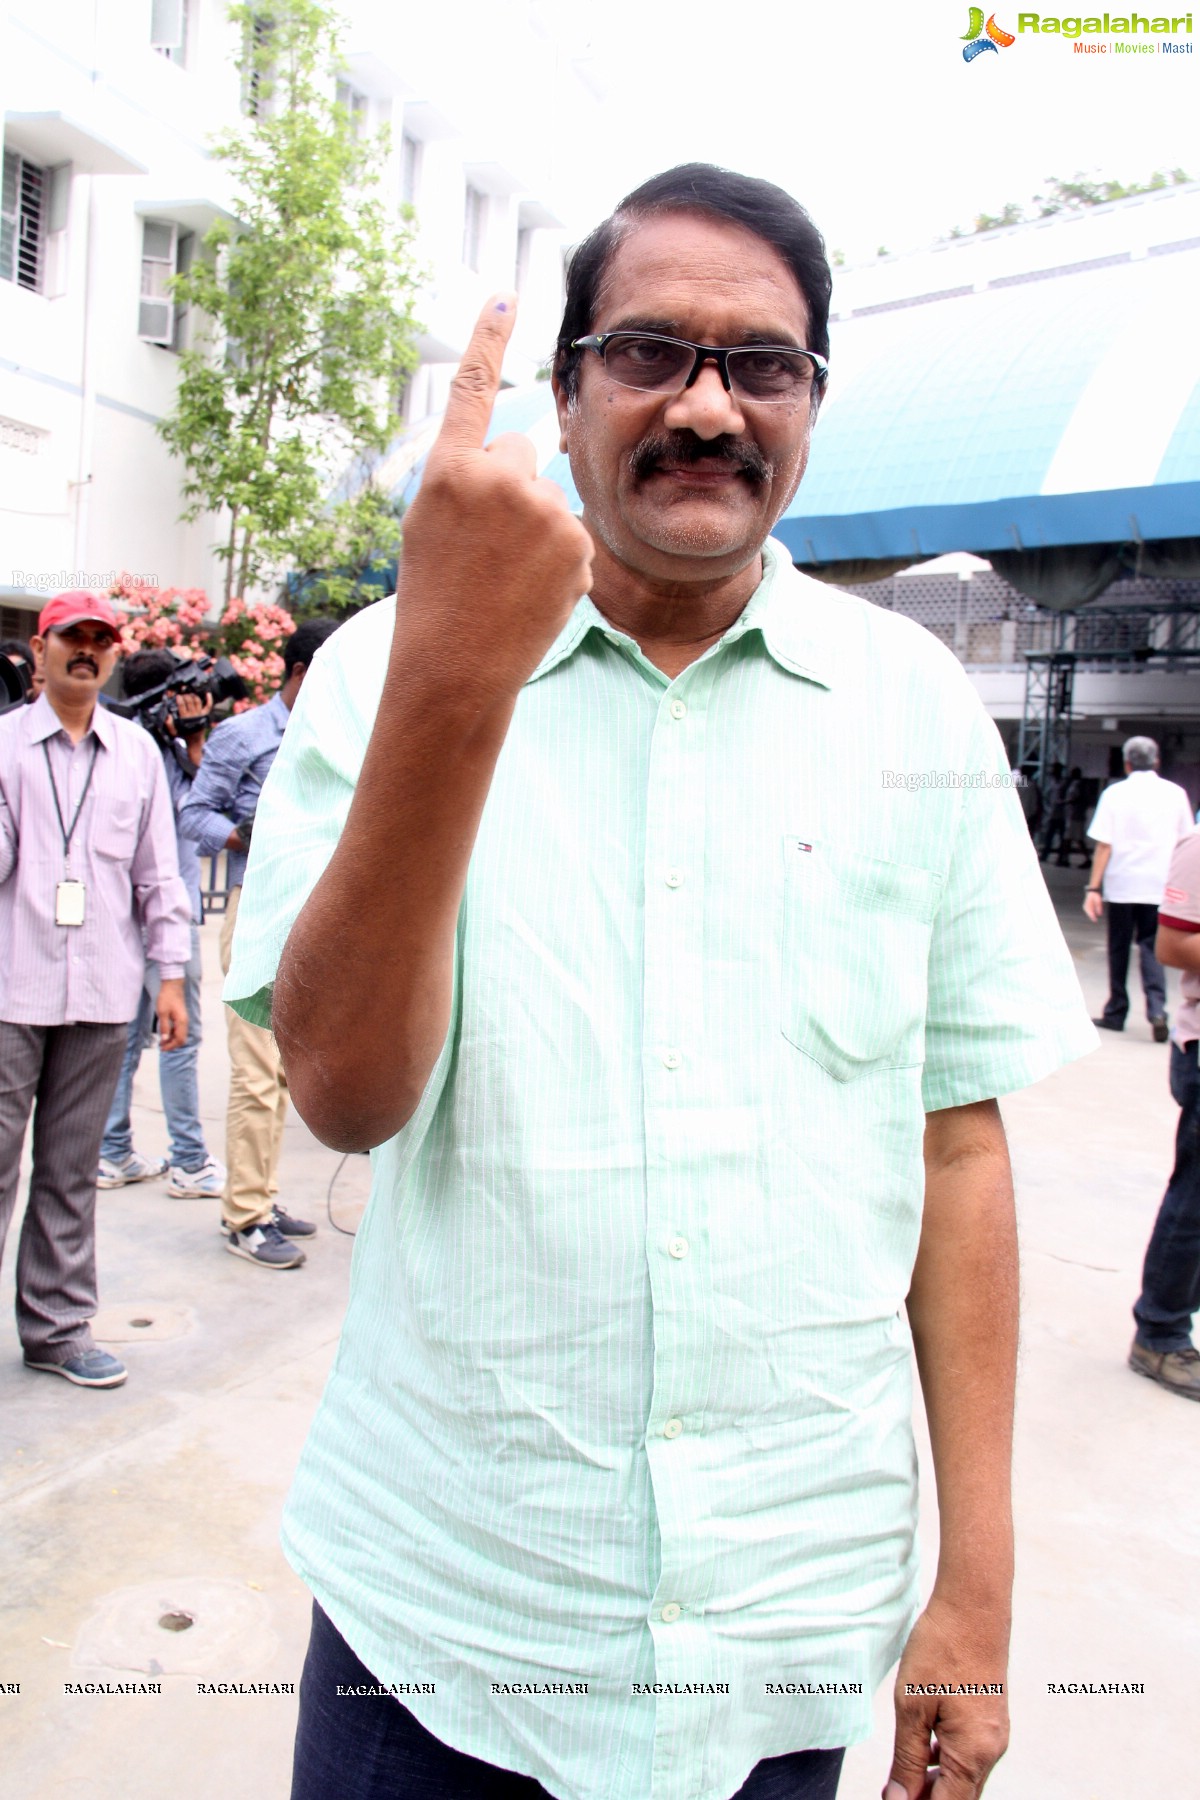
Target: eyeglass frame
[704, 353]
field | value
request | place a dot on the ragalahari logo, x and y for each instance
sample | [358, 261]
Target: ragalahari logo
[975, 43]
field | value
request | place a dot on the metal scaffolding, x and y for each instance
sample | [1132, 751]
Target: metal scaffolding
[1045, 736]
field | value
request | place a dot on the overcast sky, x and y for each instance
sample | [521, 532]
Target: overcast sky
[867, 113]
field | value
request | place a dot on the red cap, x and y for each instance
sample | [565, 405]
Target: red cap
[76, 607]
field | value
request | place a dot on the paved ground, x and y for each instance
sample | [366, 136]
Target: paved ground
[118, 1509]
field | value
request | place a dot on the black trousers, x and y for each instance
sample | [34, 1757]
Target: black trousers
[1131, 921]
[369, 1747]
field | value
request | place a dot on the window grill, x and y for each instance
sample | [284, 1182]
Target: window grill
[22, 222]
[156, 310]
[258, 77]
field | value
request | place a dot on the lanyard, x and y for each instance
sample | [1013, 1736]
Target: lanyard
[67, 835]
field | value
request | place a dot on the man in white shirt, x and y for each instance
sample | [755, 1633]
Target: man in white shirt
[1137, 824]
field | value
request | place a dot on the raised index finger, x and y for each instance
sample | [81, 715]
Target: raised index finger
[474, 388]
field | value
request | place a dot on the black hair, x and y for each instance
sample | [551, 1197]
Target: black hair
[305, 641]
[18, 647]
[146, 669]
[759, 206]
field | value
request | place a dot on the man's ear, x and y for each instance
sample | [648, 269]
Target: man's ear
[563, 406]
[37, 645]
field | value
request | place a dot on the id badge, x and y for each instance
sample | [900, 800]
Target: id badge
[69, 903]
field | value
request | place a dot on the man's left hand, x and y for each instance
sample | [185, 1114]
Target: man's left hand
[172, 1015]
[191, 706]
[965, 1735]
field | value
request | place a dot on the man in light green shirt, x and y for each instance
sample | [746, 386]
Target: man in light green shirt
[665, 923]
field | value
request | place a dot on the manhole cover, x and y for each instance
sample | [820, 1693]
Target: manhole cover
[141, 1321]
[223, 1628]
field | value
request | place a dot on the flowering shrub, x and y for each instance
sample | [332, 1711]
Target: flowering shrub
[252, 637]
[251, 634]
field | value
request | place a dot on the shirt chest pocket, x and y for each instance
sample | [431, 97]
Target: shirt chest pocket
[856, 932]
[115, 832]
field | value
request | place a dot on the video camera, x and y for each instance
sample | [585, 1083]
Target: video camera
[14, 684]
[202, 675]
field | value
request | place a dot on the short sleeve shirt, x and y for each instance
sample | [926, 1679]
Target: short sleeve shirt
[623, 1393]
[1142, 818]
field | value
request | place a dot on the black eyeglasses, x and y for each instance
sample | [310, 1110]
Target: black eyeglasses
[769, 374]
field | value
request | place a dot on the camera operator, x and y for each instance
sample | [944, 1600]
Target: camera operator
[179, 728]
[218, 814]
[19, 655]
[87, 865]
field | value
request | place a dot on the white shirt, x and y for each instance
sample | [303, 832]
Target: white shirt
[1142, 818]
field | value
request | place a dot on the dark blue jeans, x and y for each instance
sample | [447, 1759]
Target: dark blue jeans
[371, 1747]
[1171, 1275]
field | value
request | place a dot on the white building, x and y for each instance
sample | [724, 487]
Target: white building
[109, 107]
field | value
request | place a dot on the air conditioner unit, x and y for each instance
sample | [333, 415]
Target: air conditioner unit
[167, 18]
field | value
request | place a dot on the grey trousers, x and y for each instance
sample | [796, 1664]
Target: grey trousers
[67, 1074]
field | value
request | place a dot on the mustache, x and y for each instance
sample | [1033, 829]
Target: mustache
[84, 661]
[679, 448]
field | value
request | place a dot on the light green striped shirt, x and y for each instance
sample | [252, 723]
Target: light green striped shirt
[623, 1391]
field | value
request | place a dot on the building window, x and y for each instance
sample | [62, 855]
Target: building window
[355, 105]
[410, 169]
[169, 29]
[23, 193]
[156, 309]
[474, 221]
[258, 76]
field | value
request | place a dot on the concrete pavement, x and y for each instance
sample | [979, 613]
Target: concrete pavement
[119, 1510]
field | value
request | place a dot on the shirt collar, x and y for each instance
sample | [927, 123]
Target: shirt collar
[44, 722]
[792, 611]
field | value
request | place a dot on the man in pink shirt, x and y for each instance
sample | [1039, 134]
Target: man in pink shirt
[87, 864]
[1162, 1346]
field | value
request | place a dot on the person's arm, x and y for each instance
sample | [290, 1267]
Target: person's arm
[493, 565]
[8, 837]
[1093, 903]
[205, 816]
[1177, 949]
[962, 1307]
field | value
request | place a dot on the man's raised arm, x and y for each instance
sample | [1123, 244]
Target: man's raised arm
[493, 564]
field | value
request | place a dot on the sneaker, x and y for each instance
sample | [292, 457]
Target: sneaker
[1160, 1028]
[290, 1227]
[205, 1183]
[92, 1367]
[1178, 1370]
[263, 1244]
[129, 1168]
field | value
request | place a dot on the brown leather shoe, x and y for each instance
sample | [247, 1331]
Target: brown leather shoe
[1178, 1370]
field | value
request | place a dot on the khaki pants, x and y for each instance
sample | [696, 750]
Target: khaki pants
[258, 1098]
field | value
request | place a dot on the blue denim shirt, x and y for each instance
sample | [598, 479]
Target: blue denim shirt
[236, 760]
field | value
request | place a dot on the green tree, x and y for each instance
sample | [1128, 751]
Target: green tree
[307, 317]
[1071, 196]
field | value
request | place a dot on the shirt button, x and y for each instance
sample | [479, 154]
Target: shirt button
[671, 1059]
[671, 1612]
[678, 709]
[672, 1428]
[674, 878]
[678, 1247]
